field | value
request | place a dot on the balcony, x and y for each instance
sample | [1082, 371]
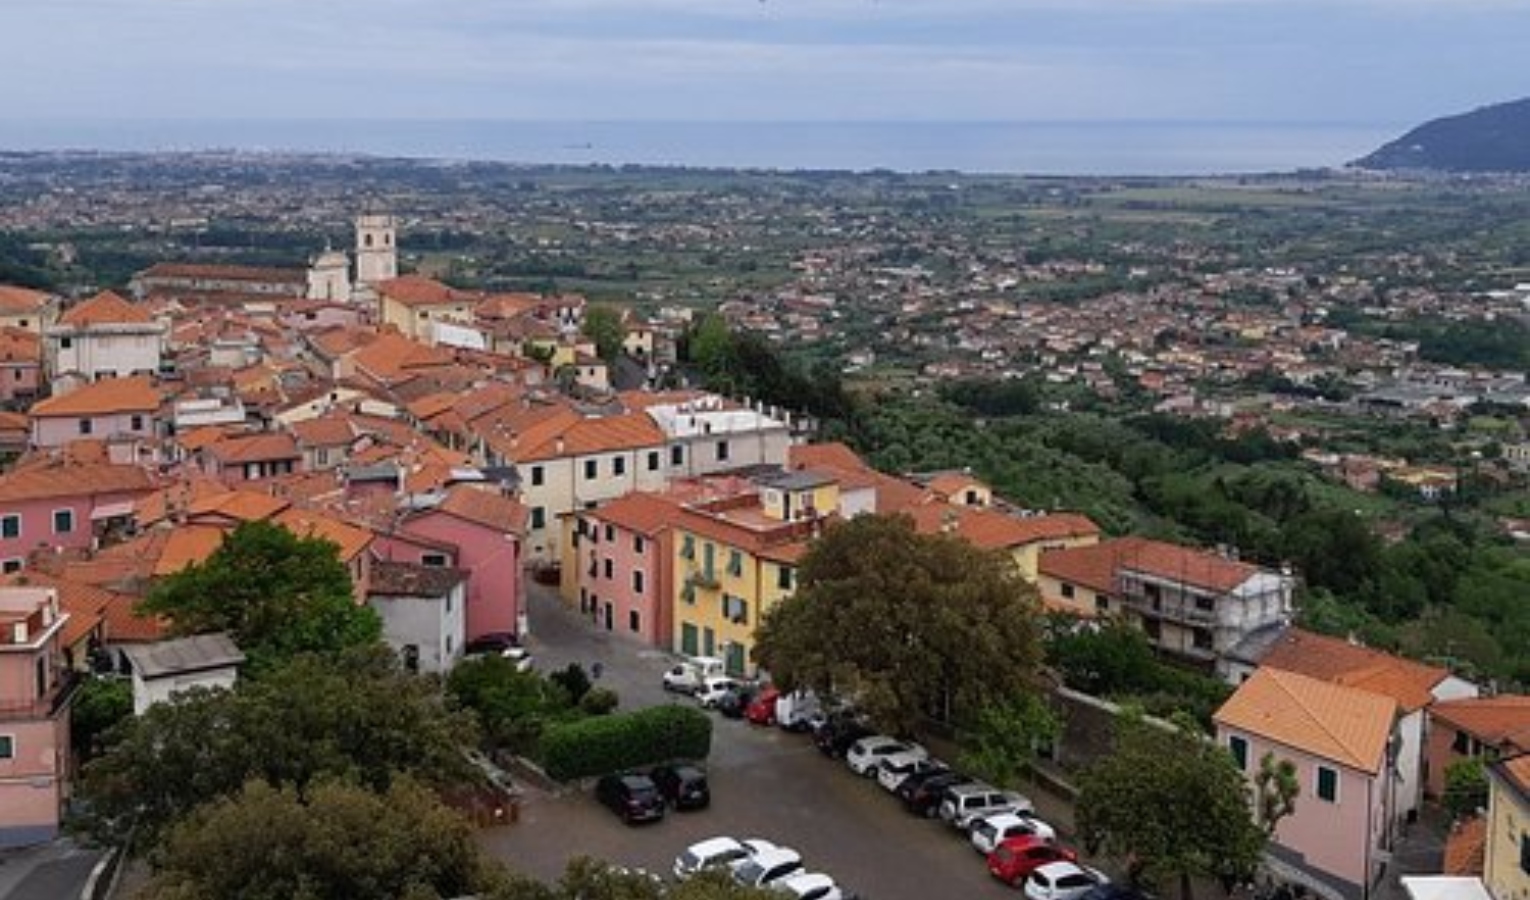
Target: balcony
[705, 579]
[1174, 606]
[50, 704]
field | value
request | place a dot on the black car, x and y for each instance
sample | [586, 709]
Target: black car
[907, 786]
[1113, 891]
[835, 736]
[632, 796]
[735, 701]
[683, 785]
[494, 642]
[924, 798]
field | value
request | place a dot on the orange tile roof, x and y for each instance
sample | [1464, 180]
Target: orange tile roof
[331, 430]
[261, 447]
[56, 479]
[832, 456]
[105, 308]
[105, 397]
[485, 507]
[417, 290]
[1091, 567]
[15, 299]
[1466, 847]
[1337, 660]
[431, 405]
[179, 494]
[1345, 725]
[237, 506]
[639, 512]
[17, 345]
[205, 436]
[951, 484]
[392, 355]
[340, 340]
[263, 274]
[1199, 568]
[994, 530]
[745, 529]
[304, 523]
[1515, 771]
[894, 495]
[1502, 721]
[182, 545]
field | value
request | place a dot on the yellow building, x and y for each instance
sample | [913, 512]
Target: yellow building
[735, 558]
[414, 303]
[1023, 538]
[1506, 867]
[26, 309]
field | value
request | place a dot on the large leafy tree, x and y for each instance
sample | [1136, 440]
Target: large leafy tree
[907, 624]
[357, 716]
[277, 594]
[1174, 804]
[1002, 745]
[603, 325]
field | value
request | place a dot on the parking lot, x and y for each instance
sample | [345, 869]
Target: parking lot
[765, 783]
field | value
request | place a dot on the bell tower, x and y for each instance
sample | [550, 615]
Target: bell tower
[376, 251]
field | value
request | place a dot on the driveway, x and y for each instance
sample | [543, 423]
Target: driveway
[51, 871]
[765, 783]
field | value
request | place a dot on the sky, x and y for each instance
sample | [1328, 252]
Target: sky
[1339, 61]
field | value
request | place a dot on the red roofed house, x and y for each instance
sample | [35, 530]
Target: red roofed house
[106, 336]
[20, 366]
[1024, 538]
[111, 408]
[1342, 741]
[414, 303]
[1197, 605]
[1474, 728]
[35, 692]
[619, 566]
[26, 309]
[59, 505]
[244, 458]
[486, 528]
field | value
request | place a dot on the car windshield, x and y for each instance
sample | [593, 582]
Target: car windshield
[749, 872]
[985, 829]
[641, 792]
[689, 860]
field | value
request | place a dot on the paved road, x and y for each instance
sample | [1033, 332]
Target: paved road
[765, 783]
[54, 871]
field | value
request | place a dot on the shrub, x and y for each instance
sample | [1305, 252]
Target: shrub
[573, 679]
[599, 701]
[612, 743]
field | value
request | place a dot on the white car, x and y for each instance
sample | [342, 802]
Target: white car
[893, 769]
[809, 886]
[713, 853]
[767, 867]
[865, 753]
[1062, 881]
[713, 689]
[988, 831]
[967, 803]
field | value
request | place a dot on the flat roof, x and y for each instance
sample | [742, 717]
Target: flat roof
[181, 656]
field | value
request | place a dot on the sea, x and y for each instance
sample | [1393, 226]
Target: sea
[1149, 148]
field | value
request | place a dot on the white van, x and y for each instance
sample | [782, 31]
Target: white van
[795, 711]
[689, 675]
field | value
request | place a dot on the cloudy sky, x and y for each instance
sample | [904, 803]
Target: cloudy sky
[1350, 61]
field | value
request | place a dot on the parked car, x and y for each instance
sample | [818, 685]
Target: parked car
[1062, 881]
[1016, 858]
[799, 710]
[865, 753]
[499, 643]
[892, 770]
[762, 709]
[683, 785]
[632, 796]
[736, 702]
[688, 676]
[966, 803]
[809, 886]
[712, 853]
[712, 689]
[1110, 890]
[836, 735]
[988, 831]
[922, 794]
[767, 867]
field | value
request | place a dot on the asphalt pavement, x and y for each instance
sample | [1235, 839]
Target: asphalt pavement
[52, 871]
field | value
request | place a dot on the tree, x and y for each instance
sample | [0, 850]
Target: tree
[1171, 802]
[909, 625]
[1002, 745]
[357, 717]
[590, 879]
[275, 593]
[334, 840]
[1276, 788]
[512, 706]
[603, 325]
[1466, 787]
[100, 703]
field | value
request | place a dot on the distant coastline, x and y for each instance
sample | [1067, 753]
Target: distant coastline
[1031, 148]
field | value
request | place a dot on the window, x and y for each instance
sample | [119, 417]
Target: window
[137, 423]
[609, 568]
[1067, 591]
[1327, 784]
[618, 465]
[538, 517]
[610, 532]
[1101, 603]
[784, 578]
[63, 521]
[7, 746]
[433, 559]
[1202, 638]
[538, 476]
[66, 343]
[677, 456]
[722, 451]
[687, 547]
[637, 581]
[688, 639]
[10, 526]
[633, 622]
[590, 469]
[1524, 853]
[735, 563]
[735, 609]
[1239, 748]
[637, 544]
[709, 558]
[653, 460]
[86, 426]
[1462, 744]
[11, 565]
[688, 594]
[1205, 604]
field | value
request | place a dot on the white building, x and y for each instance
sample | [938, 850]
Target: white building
[165, 668]
[376, 250]
[423, 611]
[104, 336]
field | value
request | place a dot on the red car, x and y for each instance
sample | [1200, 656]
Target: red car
[762, 709]
[1016, 858]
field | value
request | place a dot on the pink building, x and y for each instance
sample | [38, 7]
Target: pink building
[1342, 742]
[20, 366]
[61, 505]
[486, 527]
[243, 458]
[35, 691]
[622, 553]
[110, 408]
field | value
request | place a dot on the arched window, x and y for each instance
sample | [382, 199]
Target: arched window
[366, 240]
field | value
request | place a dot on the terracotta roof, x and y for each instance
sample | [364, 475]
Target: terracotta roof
[1096, 567]
[340, 340]
[748, 532]
[105, 308]
[1466, 847]
[15, 299]
[833, 456]
[17, 345]
[105, 397]
[226, 273]
[485, 507]
[1091, 567]
[333, 430]
[1337, 660]
[205, 436]
[157, 506]
[638, 512]
[951, 484]
[994, 530]
[402, 579]
[417, 290]
[1345, 725]
[580, 436]
[392, 355]
[894, 495]
[65, 480]
[1502, 721]
[237, 506]
[309, 524]
[1514, 772]
[254, 448]
[173, 549]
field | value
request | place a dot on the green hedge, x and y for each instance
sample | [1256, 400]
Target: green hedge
[612, 743]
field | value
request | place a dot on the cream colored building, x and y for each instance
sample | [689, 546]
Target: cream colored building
[1506, 867]
[26, 309]
[414, 304]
